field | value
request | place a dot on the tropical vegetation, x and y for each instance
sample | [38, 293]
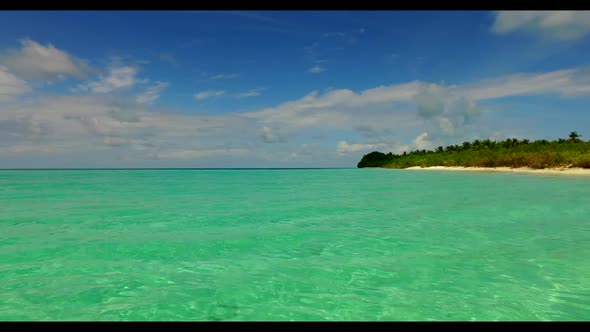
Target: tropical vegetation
[512, 152]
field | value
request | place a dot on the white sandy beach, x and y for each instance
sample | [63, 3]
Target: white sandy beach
[562, 171]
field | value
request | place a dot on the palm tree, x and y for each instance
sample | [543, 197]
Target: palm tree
[574, 137]
[476, 144]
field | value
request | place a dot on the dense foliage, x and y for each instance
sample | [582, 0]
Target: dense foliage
[571, 152]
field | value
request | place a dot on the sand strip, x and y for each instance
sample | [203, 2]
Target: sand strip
[548, 171]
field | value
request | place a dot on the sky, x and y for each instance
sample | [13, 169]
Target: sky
[125, 89]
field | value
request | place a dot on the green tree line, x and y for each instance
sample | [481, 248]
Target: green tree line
[512, 152]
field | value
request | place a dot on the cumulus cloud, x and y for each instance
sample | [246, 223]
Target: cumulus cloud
[193, 154]
[209, 94]
[431, 100]
[24, 127]
[86, 123]
[118, 77]
[565, 82]
[338, 109]
[428, 96]
[451, 109]
[11, 86]
[34, 61]
[557, 25]
[26, 149]
[344, 97]
[449, 112]
[345, 148]
[152, 93]
[271, 136]
[422, 142]
[376, 119]
[316, 69]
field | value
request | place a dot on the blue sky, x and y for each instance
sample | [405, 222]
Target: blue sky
[282, 88]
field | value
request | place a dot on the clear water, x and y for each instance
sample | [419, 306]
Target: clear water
[332, 244]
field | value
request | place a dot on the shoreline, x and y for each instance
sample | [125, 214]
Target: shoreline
[527, 170]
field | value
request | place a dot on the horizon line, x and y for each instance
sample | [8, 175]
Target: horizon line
[169, 168]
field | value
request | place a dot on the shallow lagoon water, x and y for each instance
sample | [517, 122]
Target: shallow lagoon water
[319, 244]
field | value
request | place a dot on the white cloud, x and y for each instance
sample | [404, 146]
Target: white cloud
[558, 25]
[271, 136]
[566, 82]
[339, 108]
[209, 94]
[105, 125]
[85, 124]
[316, 69]
[193, 154]
[449, 113]
[431, 100]
[26, 148]
[446, 109]
[222, 76]
[344, 97]
[11, 86]
[119, 77]
[252, 93]
[422, 142]
[345, 148]
[37, 62]
[152, 93]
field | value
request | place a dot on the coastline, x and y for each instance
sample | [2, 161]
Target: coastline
[561, 171]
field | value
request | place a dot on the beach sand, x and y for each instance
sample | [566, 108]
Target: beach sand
[548, 171]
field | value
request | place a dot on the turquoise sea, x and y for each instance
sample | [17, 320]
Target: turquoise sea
[317, 244]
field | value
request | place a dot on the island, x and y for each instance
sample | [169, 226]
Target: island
[512, 153]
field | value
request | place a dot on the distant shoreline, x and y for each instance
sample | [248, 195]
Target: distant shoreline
[561, 171]
[562, 156]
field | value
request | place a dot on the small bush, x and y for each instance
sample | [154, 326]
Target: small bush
[583, 163]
